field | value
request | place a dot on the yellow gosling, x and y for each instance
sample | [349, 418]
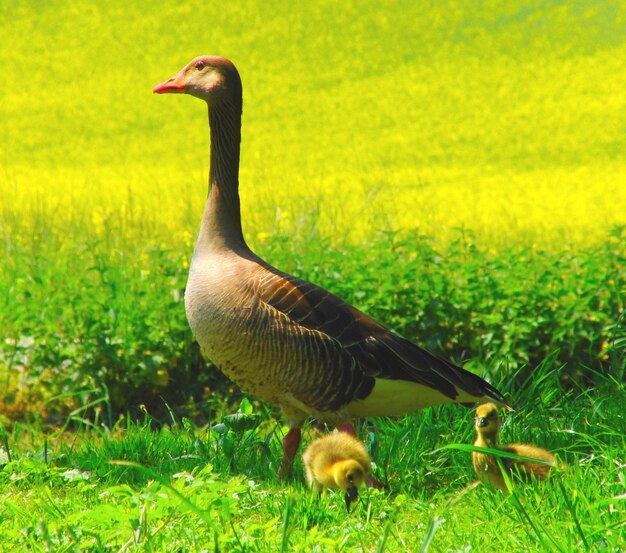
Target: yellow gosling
[487, 424]
[338, 460]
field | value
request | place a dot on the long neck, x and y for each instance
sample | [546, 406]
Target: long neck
[221, 222]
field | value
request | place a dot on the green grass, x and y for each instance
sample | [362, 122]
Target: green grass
[140, 486]
[457, 170]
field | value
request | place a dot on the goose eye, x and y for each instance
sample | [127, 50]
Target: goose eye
[199, 65]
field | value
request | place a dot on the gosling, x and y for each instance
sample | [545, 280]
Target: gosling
[487, 424]
[337, 460]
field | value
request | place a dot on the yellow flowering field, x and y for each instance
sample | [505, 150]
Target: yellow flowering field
[506, 121]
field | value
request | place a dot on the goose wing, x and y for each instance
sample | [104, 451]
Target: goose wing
[375, 351]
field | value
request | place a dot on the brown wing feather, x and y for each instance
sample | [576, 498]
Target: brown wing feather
[375, 350]
[330, 377]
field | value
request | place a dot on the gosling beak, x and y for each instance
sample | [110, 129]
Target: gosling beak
[175, 85]
[351, 495]
[481, 421]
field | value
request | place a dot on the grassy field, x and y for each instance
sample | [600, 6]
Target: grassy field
[135, 487]
[457, 170]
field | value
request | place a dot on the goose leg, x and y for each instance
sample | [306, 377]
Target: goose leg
[372, 482]
[347, 428]
[291, 442]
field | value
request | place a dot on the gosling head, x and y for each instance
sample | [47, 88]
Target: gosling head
[349, 475]
[210, 78]
[487, 422]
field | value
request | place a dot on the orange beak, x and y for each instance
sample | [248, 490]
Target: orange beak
[175, 85]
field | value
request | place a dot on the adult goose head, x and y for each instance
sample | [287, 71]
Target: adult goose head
[209, 78]
[285, 340]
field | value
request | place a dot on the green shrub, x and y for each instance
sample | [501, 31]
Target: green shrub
[101, 316]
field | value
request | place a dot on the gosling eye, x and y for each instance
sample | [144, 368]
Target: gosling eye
[200, 65]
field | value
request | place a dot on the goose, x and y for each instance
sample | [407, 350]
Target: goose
[282, 339]
[337, 460]
[487, 424]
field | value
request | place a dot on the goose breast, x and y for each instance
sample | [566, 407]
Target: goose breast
[261, 348]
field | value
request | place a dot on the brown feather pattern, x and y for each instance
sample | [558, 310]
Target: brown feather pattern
[375, 350]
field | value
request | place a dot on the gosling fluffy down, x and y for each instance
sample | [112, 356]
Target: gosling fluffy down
[338, 460]
[487, 424]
